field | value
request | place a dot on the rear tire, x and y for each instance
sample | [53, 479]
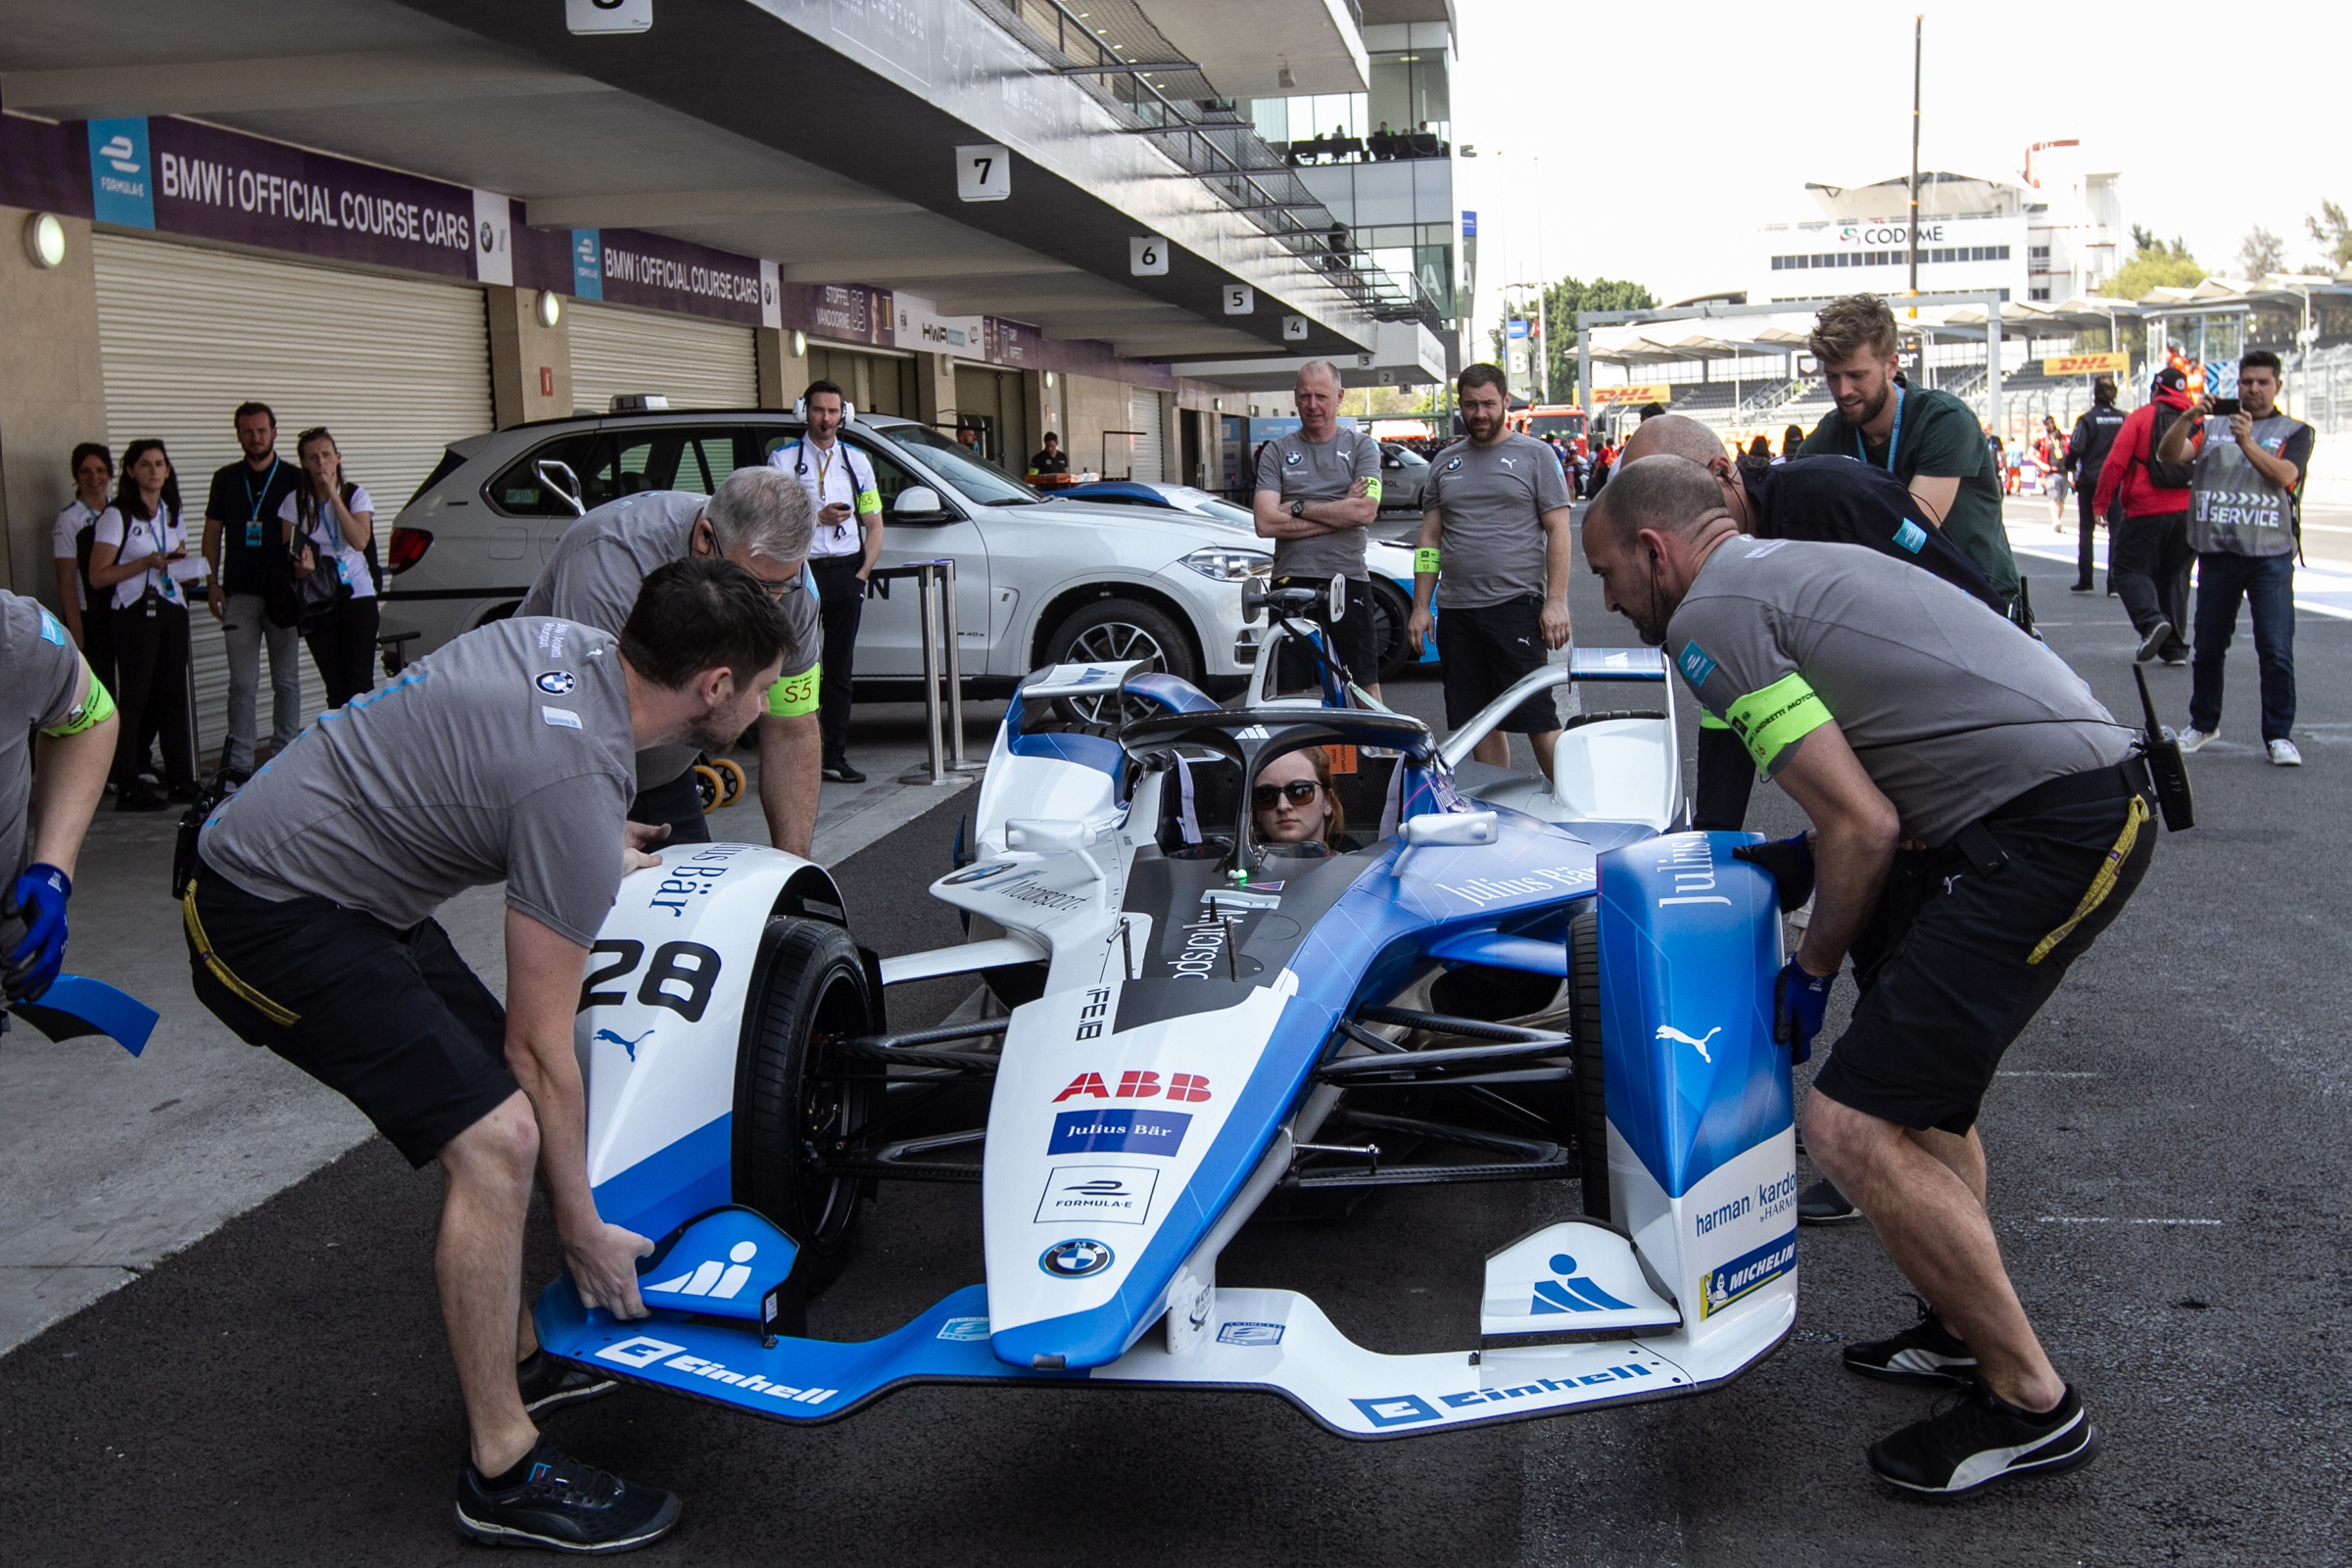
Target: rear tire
[1392, 650]
[1113, 631]
[795, 1097]
[1590, 1099]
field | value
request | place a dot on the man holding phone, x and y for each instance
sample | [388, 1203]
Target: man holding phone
[242, 544]
[2244, 524]
[840, 481]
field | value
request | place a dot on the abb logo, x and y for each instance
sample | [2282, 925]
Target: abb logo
[1181, 1086]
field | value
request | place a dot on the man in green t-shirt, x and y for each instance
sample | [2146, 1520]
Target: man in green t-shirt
[1930, 440]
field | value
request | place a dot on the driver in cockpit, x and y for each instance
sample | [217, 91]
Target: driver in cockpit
[1297, 815]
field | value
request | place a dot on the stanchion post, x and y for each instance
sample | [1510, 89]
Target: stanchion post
[926, 615]
[955, 681]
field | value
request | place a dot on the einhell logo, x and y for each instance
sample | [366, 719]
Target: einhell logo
[1182, 1087]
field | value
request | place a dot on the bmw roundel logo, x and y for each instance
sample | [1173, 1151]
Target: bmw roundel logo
[555, 682]
[1074, 1259]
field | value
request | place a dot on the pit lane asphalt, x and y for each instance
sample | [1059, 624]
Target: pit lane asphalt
[2169, 1171]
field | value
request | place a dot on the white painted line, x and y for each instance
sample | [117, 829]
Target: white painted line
[2319, 590]
[2005, 1073]
[2109, 1220]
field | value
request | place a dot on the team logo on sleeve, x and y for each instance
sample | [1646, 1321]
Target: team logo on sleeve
[1695, 665]
[557, 683]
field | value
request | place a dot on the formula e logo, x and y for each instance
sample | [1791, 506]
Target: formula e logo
[1572, 1292]
[1118, 1195]
[963, 1330]
[1668, 1031]
[555, 682]
[1074, 1259]
[1250, 1334]
[1695, 665]
[1182, 1087]
[1910, 536]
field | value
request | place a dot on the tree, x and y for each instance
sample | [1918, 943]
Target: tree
[2153, 264]
[1561, 302]
[2331, 229]
[2261, 253]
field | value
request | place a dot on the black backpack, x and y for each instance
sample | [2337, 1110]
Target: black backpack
[2164, 475]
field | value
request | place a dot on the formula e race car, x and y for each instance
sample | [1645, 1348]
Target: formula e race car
[1509, 978]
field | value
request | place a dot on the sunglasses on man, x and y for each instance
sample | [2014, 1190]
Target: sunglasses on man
[1298, 792]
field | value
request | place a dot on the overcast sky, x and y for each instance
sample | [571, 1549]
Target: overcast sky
[1665, 142]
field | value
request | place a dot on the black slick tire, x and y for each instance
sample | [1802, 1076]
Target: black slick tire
[1591, 1098]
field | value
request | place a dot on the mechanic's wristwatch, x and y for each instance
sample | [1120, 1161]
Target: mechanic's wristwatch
[1298, 509]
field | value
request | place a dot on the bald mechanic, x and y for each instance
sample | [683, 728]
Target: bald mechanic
[508, 755]
[1829, 499]
[1318, 489]
[760, 520]
[1977, 820]
[56, 743]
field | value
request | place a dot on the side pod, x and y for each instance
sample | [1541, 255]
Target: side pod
[1702, 1144]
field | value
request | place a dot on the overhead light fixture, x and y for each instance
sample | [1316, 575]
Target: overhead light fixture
[800, 344]
[1049, 380]
[45, 240]
[1283, 78]
[550, 307]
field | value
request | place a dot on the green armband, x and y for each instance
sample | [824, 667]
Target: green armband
[1772, 720]
[1371, 487]
[1707, 721]
[97, 706]
[868, 502]
[1424, 563]
[795, 694]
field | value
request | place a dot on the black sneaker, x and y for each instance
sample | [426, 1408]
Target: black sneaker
[564, 1506]
[1976, 1437]
[1925, 1353]
[549, 1384]
[2081, 587]
[842, 772]
[1822, 1204]
[2153, 643]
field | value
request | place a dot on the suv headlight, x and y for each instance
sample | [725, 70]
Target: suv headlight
[1228, 565]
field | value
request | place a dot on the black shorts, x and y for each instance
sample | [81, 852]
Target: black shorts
[1945, 969]
[1482, 650]
[677, 804]
[1354, 639]
[392, 1021]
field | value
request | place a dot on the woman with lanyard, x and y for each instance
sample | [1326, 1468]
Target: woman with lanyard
[79, 606]
[132, 551]
[330, 533]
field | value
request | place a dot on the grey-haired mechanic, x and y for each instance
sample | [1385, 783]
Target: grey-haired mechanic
[1977, 820]
[310, 928]
[57, 741]
[760, 520]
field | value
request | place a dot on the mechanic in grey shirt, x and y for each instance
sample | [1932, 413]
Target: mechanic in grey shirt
[52, 709]
[1979, 819]
[1318, 489]
[761, 520]
[1496, 549]
[507, 755]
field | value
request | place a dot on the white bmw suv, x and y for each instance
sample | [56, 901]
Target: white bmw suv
[1038, 581]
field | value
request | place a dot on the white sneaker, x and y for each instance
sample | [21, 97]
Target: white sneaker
[2193, 738]
[2284, 755]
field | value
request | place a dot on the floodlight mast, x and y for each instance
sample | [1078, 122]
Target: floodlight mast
[1911, 230]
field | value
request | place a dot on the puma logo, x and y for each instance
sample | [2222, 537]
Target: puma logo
[1668, 1031]
[625, 1044]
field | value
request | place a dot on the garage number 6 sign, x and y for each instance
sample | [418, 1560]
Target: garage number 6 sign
[1147, 256]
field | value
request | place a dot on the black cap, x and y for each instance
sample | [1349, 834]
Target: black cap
[2170, 379]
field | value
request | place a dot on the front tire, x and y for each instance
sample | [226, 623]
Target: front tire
[797, 1098]
[1113, 631]
[1591, 1100]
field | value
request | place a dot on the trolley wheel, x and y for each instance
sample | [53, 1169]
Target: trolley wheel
[732, 780]
[708, 787]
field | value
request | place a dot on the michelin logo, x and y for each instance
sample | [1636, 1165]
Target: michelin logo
[1747, 1274]
[643, 1352]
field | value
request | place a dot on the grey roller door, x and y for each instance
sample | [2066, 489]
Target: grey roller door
[396, 367]
[693, 362]
[1143, 416]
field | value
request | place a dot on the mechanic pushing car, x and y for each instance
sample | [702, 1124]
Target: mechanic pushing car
[1318, 488]
[50, 690]
[507, 755]
[1496, 548]
[761, 520]
[1977, 820]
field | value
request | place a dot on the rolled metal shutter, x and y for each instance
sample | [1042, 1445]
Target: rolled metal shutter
[693, 362]
[1143, 416]
[396, 367]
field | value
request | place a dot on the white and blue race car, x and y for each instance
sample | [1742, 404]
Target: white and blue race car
[1509, 980]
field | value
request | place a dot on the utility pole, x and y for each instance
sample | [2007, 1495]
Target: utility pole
[1911, 230]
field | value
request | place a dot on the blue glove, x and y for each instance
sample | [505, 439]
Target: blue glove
[1798, 1000]
[39, 896]
[1791, 863]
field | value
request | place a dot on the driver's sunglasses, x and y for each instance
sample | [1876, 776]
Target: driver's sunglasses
[1298, 792]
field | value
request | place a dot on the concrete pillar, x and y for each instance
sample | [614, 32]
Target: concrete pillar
[935, 389]
[782, 373]
[52, 393]
[530, 365]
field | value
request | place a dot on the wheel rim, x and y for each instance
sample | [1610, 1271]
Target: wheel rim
[1114, 643]
[832, 1106]
[1385, 631]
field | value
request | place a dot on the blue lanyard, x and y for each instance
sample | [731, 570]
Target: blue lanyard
[253, 501]
[1893, 437]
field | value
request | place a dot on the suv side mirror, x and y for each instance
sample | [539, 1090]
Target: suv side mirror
[918, 503]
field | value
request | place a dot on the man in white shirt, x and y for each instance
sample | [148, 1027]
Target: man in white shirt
[840, 481]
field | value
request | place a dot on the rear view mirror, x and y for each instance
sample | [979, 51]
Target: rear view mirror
[1456, 828]
[1038, 835]
[917, 503]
